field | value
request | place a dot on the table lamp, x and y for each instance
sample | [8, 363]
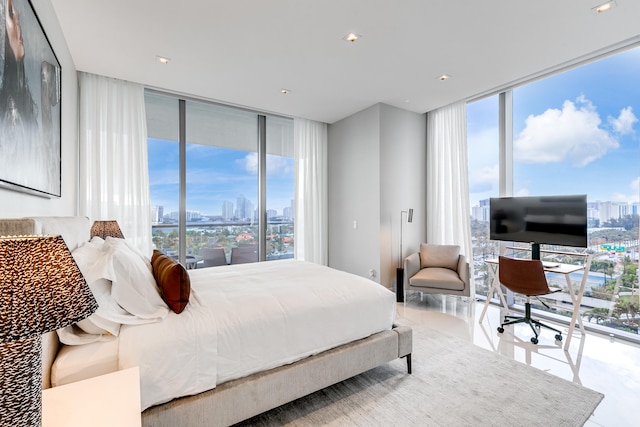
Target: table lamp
[106, 229]
[41, 290]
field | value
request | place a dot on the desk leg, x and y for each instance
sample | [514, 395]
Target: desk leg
[576, 300]
[495, 286]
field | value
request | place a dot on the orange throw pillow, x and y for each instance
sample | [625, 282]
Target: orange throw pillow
[173, 281]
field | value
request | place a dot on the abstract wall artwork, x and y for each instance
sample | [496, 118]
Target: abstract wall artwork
[30, 114]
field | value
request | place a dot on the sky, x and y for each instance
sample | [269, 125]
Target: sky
[215, 175]
[576, 132]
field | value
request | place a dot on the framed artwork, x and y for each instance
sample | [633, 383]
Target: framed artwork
[30, 93]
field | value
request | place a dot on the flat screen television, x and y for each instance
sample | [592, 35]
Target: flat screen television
[551, 220]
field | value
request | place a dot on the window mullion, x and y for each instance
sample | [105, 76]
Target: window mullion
[262, 188]
[182, 215]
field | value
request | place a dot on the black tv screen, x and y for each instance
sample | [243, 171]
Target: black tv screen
[551, 220]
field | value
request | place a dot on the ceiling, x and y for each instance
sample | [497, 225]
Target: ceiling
[243, 52]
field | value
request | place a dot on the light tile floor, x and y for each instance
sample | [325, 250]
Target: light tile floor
[608, 365]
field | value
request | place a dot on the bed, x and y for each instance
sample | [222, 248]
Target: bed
[261, 335]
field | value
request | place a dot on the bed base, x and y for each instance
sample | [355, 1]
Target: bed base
[240, 399]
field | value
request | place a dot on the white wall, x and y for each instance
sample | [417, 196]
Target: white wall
[403, 136]
[15, 204]
[354, 196]
[377, 163]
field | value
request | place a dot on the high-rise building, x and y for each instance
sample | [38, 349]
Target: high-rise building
[287, 213]
[244, 208]
[193, 216]
[481, 213]
[157, 214]
[227, 210]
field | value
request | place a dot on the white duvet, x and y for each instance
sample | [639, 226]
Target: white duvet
[247, 318]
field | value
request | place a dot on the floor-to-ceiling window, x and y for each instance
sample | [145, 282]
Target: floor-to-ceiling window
[483, 144]
[279, 188]
[207, 183]
[574, 132]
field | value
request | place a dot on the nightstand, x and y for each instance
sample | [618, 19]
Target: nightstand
[108, 400]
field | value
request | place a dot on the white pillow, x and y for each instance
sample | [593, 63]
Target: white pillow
[94, 266]
[122, 283]
[133, 286]
[90, 259]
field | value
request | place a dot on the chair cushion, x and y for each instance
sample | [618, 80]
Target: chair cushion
[437, 277]
[445, 256]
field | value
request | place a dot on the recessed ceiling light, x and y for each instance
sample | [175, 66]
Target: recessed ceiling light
[162, 59]
[285, 91]
[604, 7]
[444, 77]
[351, 37]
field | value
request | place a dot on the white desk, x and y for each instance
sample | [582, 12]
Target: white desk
[108, 400]
[565, 269]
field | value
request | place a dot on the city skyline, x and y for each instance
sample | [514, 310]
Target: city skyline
[158, 212]
[214, 176]
[602, 210]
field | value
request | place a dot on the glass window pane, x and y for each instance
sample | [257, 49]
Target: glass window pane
[164, 173]
[483, 146]
[280, 188]
[222, 184]
[576, 133]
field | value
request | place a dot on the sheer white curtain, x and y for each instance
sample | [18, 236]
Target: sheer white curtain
[114, 177]
[448, 211]
[311, 226]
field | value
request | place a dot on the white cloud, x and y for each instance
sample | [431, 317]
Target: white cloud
[633, 197]
[523, 192]
[276, 165]
[572, 133]
[624, 123]
[250, 163]
[485, 178]
[279, 165]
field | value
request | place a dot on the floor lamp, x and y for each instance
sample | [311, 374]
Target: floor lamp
[400, 269]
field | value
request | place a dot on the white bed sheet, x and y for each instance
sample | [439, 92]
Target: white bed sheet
[248, 318]
[79, 362]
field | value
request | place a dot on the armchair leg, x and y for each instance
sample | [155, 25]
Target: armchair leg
[408, 357]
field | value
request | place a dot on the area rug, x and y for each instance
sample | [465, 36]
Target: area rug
[454, 383]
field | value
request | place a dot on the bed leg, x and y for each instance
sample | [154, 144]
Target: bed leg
[408, 356]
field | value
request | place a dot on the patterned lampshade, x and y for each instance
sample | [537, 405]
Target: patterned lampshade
[106, 229]
[41, 290]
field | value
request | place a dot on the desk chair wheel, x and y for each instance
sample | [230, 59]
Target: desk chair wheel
[534, 340]
[559, 337]
[500, 329]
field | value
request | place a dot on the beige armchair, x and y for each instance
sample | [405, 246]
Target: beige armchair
[437, 269]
